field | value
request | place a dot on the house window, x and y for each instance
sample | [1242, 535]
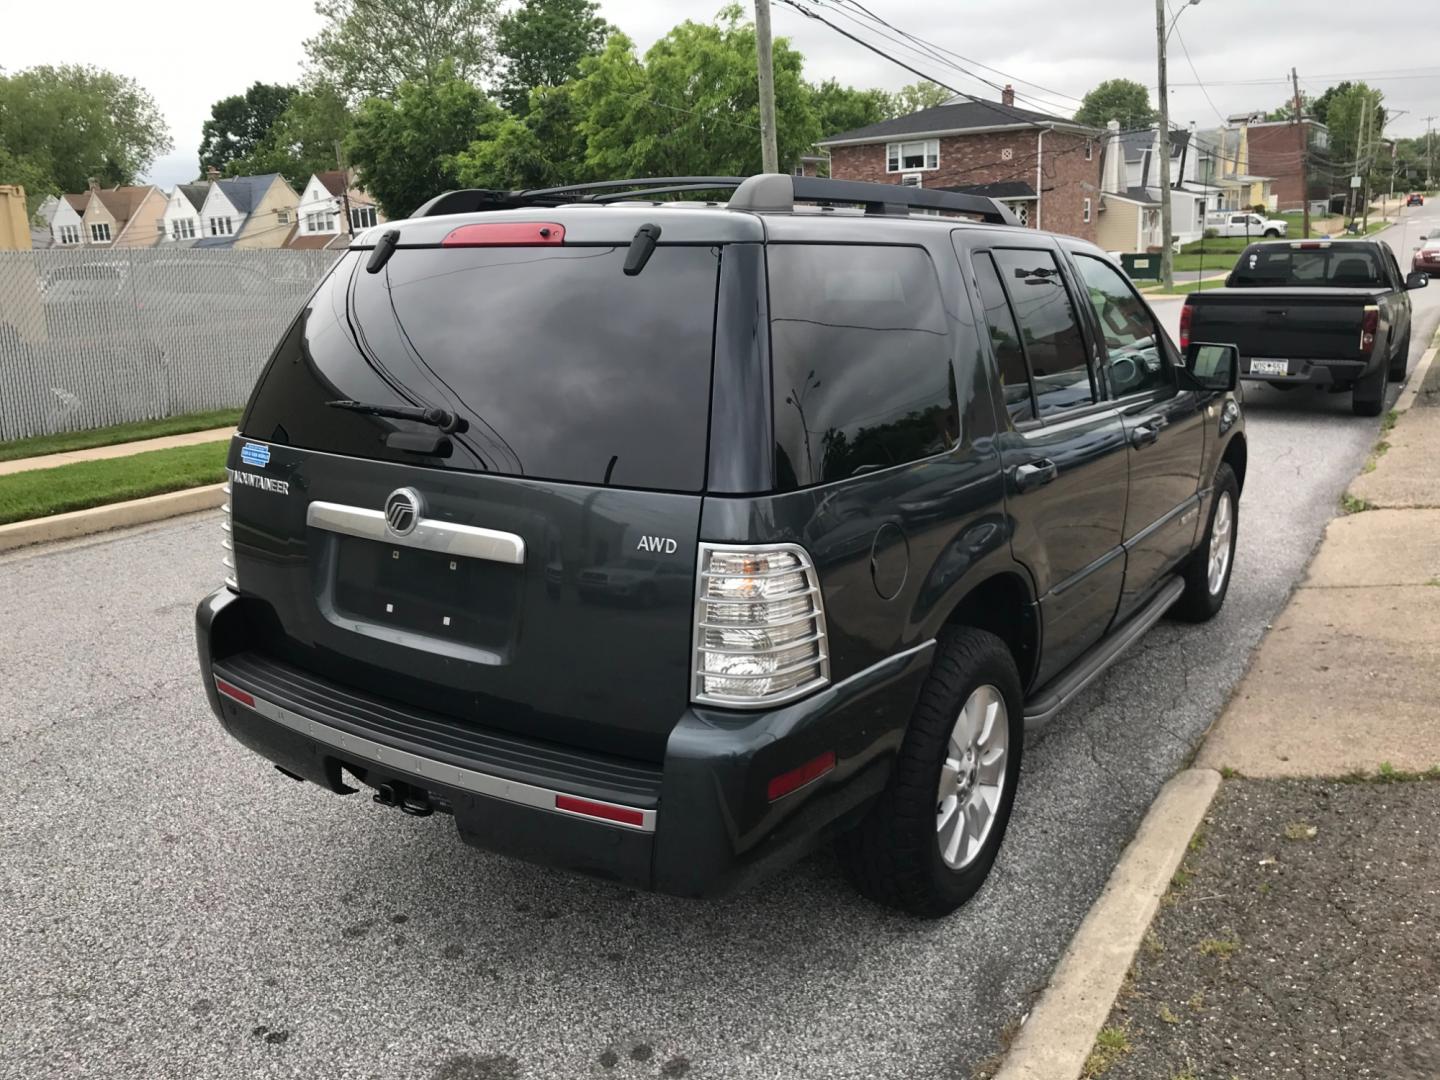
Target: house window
[1021, 210]
[911, 180]
[799, 170]
[920, 154]
[322, 221]
[362, 217]
[282, 216]
[220, 226]
[1086, 216]
[1089, 149]
[182, 229]
[100, 232]
[69, 234]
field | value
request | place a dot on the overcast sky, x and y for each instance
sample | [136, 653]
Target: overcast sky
[1241, 49]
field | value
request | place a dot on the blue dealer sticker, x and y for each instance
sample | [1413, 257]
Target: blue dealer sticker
[255, 454]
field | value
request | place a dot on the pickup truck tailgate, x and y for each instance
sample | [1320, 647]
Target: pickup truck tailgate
[1283, 323]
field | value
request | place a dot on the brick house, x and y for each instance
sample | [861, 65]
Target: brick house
[1276, 151]
[1045, 168]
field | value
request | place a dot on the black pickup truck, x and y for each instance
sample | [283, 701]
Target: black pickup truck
[1328, 312]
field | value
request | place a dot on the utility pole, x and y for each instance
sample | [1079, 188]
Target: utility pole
[1304, 153]
[769, 155]
[1167, 257]
[1429, 154]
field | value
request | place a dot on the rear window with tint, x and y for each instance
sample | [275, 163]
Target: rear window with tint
[564, 367]
[861, 352]
[1335, 267]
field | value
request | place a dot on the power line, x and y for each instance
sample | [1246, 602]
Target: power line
[1175, 25]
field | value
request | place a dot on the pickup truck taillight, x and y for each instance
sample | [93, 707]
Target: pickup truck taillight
[759, 626]
[1186, 314]
[1368, 325]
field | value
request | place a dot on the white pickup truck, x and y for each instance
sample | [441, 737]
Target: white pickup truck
[1245, 223]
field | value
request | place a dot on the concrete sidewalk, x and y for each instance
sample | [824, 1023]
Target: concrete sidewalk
[99, 453]
[1349, 675]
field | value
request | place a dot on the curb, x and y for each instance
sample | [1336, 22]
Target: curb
[1416, 378]
[1060, 1031]
[114, 516]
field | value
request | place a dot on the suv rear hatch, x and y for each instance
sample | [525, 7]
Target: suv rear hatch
[536, 574]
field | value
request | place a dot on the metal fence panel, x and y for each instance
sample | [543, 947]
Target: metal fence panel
[92, 338]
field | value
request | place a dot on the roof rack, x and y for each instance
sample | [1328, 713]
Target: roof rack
[762, 193]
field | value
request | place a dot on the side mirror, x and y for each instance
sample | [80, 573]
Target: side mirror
[1416, 279]
[1214, 367]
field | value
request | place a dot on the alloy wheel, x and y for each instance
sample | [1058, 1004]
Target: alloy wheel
[972, 777]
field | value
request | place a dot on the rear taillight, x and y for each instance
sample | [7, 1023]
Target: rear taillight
[1186, 314]
[227, 516]
[1368, 325]
[759, 626]
[506, 234]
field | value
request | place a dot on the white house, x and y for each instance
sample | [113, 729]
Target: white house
[219, 217]
[183, 212]
[321, 215]
[67, 224]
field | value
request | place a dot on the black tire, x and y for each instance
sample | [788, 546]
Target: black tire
[1368, 396]
[1400, 363]
[893, 856]
[1199, 602]
[1272, 234]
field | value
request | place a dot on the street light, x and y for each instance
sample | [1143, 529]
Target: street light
[1162, 35]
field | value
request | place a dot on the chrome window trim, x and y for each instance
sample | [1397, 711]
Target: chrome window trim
[429, 534]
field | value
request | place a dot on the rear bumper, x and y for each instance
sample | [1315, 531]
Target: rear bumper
[700, 823]
[1316, 372]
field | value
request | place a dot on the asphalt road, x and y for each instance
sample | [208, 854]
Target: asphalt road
[173, 907]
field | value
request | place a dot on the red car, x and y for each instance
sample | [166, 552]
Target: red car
[1427, 257]
[1415, 199]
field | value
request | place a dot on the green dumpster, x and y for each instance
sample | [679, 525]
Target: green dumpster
[1141, 266]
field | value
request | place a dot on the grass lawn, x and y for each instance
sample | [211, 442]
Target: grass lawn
[42, 492]
[120, 433]
[1186, 288]
[1211, 261]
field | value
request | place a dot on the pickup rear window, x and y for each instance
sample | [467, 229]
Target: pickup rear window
[1335, 267]
[564, 367]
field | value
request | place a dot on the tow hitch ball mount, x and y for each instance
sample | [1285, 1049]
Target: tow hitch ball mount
[413, 801]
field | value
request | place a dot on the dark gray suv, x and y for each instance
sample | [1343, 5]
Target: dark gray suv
[663, 540]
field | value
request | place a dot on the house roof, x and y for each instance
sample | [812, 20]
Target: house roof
[214, 242]
[333, 180]
[122, 202]
[245, 192]
[947, 119]
[194, 193]
[1003, 189]
[78, 202]
[1135, 143]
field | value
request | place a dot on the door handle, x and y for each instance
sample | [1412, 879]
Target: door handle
[1144, 435]
[1035, 474]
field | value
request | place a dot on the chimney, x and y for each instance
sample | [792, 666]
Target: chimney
[1113, 160]
[1007, 96]
[94, 184]
[212, 174]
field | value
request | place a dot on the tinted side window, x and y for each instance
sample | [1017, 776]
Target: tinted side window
[860, 345]
[1135, 360]
[1048, 328]
[1004, 340]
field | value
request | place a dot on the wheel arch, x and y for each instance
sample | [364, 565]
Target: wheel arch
[1003, 604]
[1237, 456]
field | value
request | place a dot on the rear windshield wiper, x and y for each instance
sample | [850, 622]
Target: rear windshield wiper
[443, 419]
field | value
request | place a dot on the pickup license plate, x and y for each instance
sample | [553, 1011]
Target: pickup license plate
[1269, 367]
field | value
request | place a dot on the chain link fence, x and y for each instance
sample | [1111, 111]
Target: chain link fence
[92, 338]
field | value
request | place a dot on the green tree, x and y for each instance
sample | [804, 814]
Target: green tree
[302, 140]
[239, 123]
[1117, 99]
[844, 108]
[691, 106]
[70, 123]
[367, 48]
[543, 42]
[1342, 109]
[405, 149]
[918, 96]
[543, 149]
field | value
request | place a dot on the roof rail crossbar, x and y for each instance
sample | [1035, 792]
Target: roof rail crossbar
[778, 191]
[772, 192]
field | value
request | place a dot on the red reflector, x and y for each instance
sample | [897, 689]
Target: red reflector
[795, 779]
[234, 692]
[506, 234]
[1186, 314]
[605, 811]
[1312, 247]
